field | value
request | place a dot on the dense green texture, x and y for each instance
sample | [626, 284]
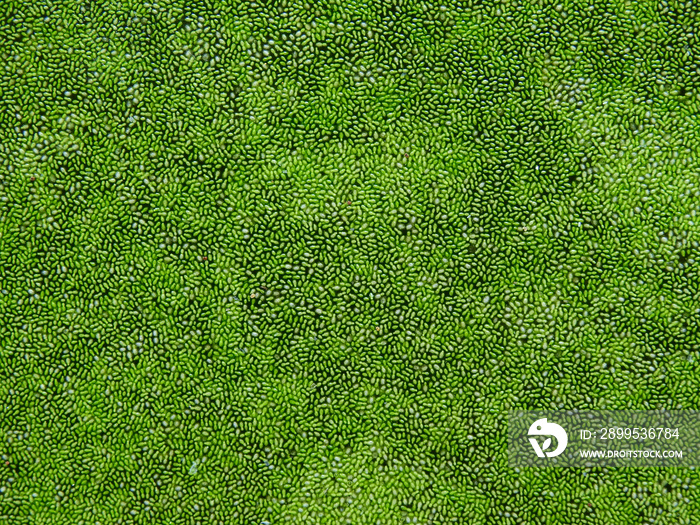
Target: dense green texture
[294, 263]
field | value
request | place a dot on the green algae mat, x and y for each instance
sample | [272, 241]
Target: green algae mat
[273, 262]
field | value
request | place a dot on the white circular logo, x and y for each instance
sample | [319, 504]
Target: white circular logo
[542, 428]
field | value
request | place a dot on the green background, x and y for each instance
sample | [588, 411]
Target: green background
[271, 263]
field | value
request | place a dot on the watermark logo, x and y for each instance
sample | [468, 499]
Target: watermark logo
[542, 428]
[609, 438]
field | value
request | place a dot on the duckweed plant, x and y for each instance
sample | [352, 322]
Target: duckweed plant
[293, 262]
